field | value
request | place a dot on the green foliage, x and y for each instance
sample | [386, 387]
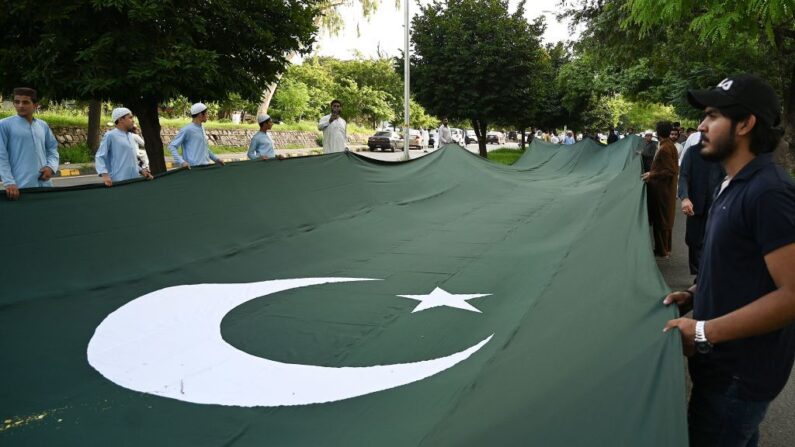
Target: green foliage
[655, 51]
[79, 153]
[127, 49]
[476, 60]
[505, 156]
[371, 91]
[291, 101]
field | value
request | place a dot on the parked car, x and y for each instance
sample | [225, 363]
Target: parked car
[471, 137]
[415, 140]
[495, 137]
[383, 139]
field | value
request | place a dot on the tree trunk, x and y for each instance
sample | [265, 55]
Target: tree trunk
[480, 131]
[522, 143]
[146, 111]
[94, 124]
[267, 96]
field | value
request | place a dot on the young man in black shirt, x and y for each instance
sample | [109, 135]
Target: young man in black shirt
[741, 339]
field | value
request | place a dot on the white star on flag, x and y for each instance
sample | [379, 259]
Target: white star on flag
[441, 297]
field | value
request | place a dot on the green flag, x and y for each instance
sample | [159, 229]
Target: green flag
[341, 301]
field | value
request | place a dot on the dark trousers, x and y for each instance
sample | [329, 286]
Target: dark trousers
[724, 419]
[662, 241]
[695, 228]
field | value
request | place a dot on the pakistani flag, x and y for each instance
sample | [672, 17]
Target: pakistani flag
[341, 301]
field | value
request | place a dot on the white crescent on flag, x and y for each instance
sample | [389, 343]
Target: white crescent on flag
[168, 343]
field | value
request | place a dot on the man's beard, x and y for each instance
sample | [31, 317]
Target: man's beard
[721, 150]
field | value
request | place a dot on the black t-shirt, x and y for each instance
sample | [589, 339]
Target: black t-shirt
[752, 217]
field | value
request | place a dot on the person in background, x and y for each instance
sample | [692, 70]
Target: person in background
[612, 136]
[143, 158]
[661, 190]
[193, 140]
[569, 138]
[334, 127]
[648, 150]
[679, 147]
[444, 135]
[116, 159]
[698, 179]
[28, 149]
[261, 147]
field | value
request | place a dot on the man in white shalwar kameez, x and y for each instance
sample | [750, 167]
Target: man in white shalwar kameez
[335, 138]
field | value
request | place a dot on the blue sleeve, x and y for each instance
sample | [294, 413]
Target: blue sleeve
[210, 152]
[101, 159]
[684, 175]
[175, 143]
[51, 146]
[252, 149]
[5, 163]
[775, 218]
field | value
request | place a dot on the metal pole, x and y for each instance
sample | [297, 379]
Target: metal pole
[406, 128]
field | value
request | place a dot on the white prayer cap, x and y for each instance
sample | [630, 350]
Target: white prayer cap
[119, 112]
[649, 132]
[262, 118]
[197, 108]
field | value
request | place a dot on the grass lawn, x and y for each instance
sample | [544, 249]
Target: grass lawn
[64, 120]
[505, 156]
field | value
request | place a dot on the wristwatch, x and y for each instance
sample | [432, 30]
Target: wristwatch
[703, 346]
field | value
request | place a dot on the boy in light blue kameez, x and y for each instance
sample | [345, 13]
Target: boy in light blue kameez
[261, 147]
[28, 149]
[193, 140]
[117, 156]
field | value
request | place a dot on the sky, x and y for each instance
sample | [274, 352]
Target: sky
[385, 29]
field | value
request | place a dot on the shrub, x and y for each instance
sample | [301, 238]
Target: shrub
[76, 154]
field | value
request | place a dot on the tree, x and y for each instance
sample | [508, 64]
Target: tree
[328, 20]
[663, 49]
[474, 60]
[292, 100]
[142, 53]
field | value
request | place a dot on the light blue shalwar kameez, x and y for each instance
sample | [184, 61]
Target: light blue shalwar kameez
[193, 141]
[25, 148]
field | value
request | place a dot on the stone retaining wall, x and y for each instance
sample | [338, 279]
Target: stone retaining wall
[71, 136]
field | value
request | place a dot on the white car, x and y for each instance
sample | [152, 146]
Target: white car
[415, 140]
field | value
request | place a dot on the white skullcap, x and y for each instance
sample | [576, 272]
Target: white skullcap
[119, 112]
[197, 108]
[262, 118]
[649, 132]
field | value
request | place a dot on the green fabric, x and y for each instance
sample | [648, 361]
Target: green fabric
[560, 240]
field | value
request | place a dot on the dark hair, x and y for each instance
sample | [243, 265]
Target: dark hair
[664, 129]
[690, 129]
[335, 101]
[676, 124]
[26, 91]
[764, 137]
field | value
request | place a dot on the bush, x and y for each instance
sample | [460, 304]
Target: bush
[76, 154]
[319, 140]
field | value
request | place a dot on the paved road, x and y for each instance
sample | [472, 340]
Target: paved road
[778, 429]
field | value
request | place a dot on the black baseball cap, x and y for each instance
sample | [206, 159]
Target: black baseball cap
[747, 91]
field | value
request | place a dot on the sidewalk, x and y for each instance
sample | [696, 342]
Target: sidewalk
[76, 169]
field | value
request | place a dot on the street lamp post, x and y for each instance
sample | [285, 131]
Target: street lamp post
[406, 121]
